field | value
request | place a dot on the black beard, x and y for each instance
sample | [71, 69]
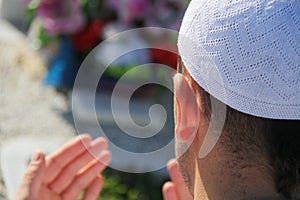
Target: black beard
[183, 161]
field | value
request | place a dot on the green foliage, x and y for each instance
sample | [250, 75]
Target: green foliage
[30, 10]
[114, 189]
[46, 38]
[127, 186]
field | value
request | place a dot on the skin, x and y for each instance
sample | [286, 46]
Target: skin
[49, 177]
[216, 176]
[66, 172]
[176, 188]
[183, 171]
[75, 166]
[69, 170]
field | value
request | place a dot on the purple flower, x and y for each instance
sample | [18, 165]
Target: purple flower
[60, 16]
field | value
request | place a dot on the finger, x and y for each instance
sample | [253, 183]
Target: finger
[59, 159]
[46, 194]
[32, 178]
[67, 175]
[177, 178]
[94, 189]
[169, 191]
[86, 175]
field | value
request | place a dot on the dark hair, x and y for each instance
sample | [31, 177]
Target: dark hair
[278, 141]
[254, 140]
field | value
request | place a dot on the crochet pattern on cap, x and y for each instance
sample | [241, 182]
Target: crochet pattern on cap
[246, 53]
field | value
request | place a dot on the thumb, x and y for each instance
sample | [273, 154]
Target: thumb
[32, 179]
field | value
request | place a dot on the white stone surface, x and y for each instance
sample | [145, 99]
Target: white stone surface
[27, 110]
[13, 10]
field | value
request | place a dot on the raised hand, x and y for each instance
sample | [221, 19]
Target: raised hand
[67, 172]
[176, 188]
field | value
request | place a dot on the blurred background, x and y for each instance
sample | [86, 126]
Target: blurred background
[42, 46]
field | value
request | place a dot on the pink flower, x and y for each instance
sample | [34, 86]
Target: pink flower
[138, 8]
[130, 10]
[60, 16]
[26, 2]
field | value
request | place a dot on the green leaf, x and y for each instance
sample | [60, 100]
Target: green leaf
[83, 2]
[34, 4]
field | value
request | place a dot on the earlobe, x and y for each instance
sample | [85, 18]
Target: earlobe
[186, 108]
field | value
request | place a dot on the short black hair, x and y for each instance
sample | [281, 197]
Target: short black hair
[277, 141]
[260, 141]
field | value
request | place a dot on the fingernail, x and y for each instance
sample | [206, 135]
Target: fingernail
[100, 142]
[106, 157]
[36, 156]
[171, 162]
[177, 79]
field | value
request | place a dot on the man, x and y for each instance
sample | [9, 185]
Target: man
[239, 56]
[246, 55]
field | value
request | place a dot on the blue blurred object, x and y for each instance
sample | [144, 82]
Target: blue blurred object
[64, 67]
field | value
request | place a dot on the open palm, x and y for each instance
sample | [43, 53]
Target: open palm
[67, 172]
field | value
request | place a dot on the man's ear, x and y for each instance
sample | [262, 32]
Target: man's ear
[186, 109]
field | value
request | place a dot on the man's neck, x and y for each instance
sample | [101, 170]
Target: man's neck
[221, 179]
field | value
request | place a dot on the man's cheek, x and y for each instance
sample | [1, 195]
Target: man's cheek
[186, 166]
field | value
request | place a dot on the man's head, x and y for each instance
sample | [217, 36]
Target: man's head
[244, 56]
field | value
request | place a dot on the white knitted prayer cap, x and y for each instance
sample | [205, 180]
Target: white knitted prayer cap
[246, 53]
